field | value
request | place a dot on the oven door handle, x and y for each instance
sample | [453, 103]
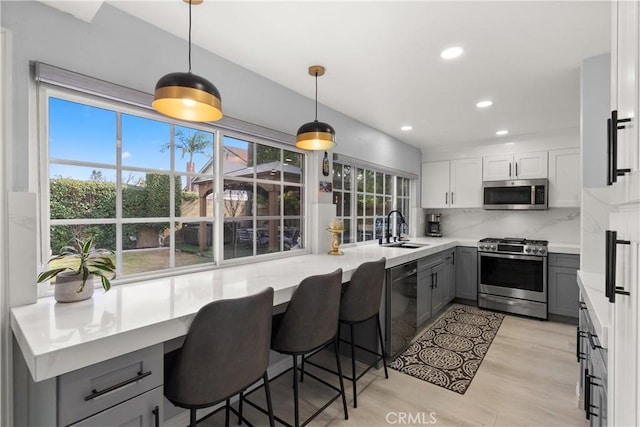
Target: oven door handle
[512, 256]
[505, 300]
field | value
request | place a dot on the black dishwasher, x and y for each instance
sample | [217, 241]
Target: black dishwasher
[401, 318]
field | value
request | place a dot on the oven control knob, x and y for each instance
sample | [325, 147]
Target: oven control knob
[492, 247]
[542, 250]
[535, 250]
[528, 249]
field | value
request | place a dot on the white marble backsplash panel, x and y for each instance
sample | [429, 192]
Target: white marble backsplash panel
[559, 225]
[595, 221]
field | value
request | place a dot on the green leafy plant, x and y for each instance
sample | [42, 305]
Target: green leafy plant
[83, 260]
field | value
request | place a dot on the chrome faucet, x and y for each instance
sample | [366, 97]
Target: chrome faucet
[388, 235]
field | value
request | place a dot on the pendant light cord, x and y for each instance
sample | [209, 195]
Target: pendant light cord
[316, 96]
[190, 37]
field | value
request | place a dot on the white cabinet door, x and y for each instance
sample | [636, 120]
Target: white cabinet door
[466, 183]
[498, 167]
[624, 321]
[435, 185]
[530, 165]
[565, 186]
[625, 97]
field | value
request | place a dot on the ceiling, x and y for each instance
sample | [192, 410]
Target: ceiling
[383, 58]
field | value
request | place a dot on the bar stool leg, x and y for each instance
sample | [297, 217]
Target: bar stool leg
[226, 413]
[344, 399]
[353, 368]
[295, 393]
[302, 369]
[269, 404]
[192, 418]
[240, 402]
[384, 359]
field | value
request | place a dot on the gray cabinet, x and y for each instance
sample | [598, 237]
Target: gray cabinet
[593, 370]
[563, 284]
[123, 391]
[439, 290]
[143, 411]
[436, 284]
[466, 265]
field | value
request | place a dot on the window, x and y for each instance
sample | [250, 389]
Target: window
[262, 198]
[145, 188]
[364, 197]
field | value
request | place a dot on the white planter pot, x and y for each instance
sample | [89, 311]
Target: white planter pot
[67, 285]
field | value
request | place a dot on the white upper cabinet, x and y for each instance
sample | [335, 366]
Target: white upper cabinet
[435, 185]
[625, 93]
[530, 165]
[466, 183]
[565, 186]
[514, 166]
[497, 168]
[452, 184]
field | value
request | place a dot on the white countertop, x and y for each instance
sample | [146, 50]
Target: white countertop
[57, 338]
[592, 291]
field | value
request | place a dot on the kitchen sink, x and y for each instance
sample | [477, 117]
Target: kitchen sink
[406, 245]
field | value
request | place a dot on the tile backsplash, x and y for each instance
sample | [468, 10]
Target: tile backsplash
[558, 225]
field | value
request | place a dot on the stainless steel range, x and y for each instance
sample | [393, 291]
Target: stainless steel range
[512, 276]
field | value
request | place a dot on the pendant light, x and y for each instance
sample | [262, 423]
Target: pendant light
[316, 135]
[187, 96]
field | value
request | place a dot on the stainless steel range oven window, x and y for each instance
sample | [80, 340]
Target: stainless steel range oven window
[517, 276]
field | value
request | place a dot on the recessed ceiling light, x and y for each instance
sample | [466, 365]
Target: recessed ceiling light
[502, 132]
[451, 52]
[484, 104]
[406, 128]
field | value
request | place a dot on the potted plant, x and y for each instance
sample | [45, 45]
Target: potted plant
[76, 268]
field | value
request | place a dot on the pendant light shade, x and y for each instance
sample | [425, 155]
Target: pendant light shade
[187, 96]
[316, 135]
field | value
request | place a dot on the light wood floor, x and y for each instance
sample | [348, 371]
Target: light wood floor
[528, 377]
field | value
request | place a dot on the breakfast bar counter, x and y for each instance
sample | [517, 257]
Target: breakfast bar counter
[57, 338]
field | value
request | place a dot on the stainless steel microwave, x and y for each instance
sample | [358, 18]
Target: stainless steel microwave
[516, 194]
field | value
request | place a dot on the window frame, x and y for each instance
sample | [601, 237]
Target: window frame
[46, 91]
[395, 196]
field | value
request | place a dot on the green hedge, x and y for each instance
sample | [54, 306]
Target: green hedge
[78, 199]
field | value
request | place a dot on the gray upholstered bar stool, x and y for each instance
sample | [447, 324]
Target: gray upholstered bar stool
[226, 350]
[309, 323]
[360, 303]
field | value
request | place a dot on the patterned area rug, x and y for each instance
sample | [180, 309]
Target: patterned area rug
[449, 353]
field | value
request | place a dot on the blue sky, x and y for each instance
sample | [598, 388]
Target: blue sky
[87, 133]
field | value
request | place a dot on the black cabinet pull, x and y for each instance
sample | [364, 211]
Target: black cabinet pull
[612, 130]
[592, 343]
[610, 175]
[611, 242]
[579, 336]
[95, 393]
[516, 169]
[587, 393]
[452, 197]
[156, 415]
[509, 170]
[432, 281]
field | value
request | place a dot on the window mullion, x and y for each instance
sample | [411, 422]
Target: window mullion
[119, 261]
[172, 198]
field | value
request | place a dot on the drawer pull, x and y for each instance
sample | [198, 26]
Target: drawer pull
[592, 342]
[156, 415]
[95, 393]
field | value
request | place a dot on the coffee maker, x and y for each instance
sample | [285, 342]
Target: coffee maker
[433, 225]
